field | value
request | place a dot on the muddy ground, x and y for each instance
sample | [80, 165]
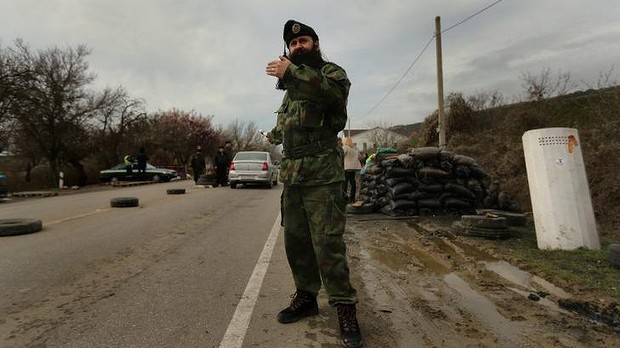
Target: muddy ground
[429, 287]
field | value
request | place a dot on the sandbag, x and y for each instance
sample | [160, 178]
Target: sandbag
[406, 161]
[477, 172]
[431, 188]
[464, 160]
[400, 188]
[417, 195]
[393, 181]
[456, 203]
[429, 172]
[402, 205]
[426, 152]
[432, 203]
[459, 190]
[393, 172]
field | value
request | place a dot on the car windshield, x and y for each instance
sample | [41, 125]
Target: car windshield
[251, 156]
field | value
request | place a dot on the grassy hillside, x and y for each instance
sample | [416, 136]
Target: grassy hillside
[493, 138]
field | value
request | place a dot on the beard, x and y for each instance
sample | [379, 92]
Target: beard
[311, 58]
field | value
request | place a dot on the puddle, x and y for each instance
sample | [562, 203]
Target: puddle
[508, 332]
[448, 249]
[429, 262]
[474, 252]
[522, 278]
[388, 258]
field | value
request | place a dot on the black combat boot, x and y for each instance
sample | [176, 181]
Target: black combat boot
[349, 328]
[302, 305]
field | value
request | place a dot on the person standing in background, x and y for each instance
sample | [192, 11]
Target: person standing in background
[128, 161]
[221, 163]
[230, 155]
[198, 163]
[351, 167]
[142, 158]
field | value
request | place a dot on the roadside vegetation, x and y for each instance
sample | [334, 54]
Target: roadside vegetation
[52, 120]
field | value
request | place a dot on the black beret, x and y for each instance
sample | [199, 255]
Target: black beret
[294, 29]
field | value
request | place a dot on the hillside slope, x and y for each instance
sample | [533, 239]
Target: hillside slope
[493, 138]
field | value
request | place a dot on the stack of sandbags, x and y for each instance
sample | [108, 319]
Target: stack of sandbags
[428, 180]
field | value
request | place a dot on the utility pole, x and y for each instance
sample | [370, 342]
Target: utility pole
[442, 119]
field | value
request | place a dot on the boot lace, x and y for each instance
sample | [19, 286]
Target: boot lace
[347, 319]
[299, 299]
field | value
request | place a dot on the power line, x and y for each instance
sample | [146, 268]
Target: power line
[472, 16]
[422, 52]
[400, 79]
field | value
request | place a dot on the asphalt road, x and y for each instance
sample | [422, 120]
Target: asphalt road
[207, 269]
[169, 273]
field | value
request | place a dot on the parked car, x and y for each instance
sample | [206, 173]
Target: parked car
[119, 173]
[253, 167]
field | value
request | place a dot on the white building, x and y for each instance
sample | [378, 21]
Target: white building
[369, 139]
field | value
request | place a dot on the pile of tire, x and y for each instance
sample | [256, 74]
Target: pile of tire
[482, 226]
[430, 181]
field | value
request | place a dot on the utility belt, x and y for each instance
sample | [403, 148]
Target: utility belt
[312, 149]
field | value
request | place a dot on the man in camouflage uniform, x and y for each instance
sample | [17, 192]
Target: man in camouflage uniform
[312, 113]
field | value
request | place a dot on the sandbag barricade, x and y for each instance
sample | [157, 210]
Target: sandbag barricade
[430, 181]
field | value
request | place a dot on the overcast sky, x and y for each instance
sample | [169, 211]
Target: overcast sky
[210, 55]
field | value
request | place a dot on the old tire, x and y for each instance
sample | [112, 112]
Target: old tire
[512, 219]
[480, 221]
[124, 202]
[488, 233]
[175, 191]
[14, 227]
[233, 185]
[613, 255]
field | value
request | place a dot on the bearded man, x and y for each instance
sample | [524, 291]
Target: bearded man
[312, 114]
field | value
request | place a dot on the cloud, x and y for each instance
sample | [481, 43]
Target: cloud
[209, 56]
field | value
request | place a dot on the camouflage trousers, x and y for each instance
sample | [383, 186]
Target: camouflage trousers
[314, 219]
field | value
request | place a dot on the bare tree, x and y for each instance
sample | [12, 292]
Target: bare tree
[114, 115]
[50, 102]
[177, 133]
[244, 137]
[545, 85]
[484, 100]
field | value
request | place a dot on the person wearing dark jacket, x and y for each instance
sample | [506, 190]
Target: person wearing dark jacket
[221, 163]
[142, 158]
[312, 113]
[198, 163]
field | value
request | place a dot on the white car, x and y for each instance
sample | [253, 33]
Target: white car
[253, 167]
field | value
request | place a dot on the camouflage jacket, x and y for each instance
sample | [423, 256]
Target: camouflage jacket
[313, 111]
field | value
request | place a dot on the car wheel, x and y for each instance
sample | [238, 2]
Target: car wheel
[156, 178]
[124, 202]
[114, 179]
[14, 227]
[233, 185]
[269, 184]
